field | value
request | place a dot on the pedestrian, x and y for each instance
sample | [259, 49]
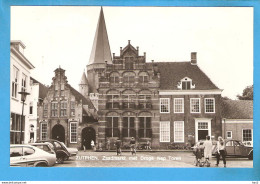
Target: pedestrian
[108, 144]
[100, 146]
[118, 147]
[84, 144]
[198, 154]
[221, 151]
[207, 150]
[132, 146]
[148, 145]
[92, 145]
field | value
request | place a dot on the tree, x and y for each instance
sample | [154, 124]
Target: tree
[247, 93]
[225, 98]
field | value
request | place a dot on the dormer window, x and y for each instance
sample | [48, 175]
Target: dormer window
[186, 84]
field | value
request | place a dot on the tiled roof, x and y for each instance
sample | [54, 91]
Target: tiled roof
[43, 90]
[237, 109]
[172, 72]
[79, 96]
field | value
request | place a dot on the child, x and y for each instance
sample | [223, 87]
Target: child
[198, 154]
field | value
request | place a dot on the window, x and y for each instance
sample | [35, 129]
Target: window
[112, 101]
[114, 78]
[128, 101]
[24, 79]
[143, 77]
[72, 108]
[54, 109]
[31, 108]
[129, 63]
[145, 130]
[45, 110]
[178, 105]
[16, 152]
[128, 127]
[178, 131]
[186, 85]
[129, 78]
[145, 101]
[247, 135]
[15, 82]
[195, 105]
[43, 131]
[164, 131]
[73, 132]
[164, 105]
[63, 109]
[229, 134]
[112, 127]
[209, 105]
[28, 151]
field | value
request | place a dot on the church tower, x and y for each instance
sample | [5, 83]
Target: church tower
[83, 85]
[100, 55]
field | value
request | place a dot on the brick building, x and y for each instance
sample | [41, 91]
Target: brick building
[162, 102]
[237, 120]
[65, 114]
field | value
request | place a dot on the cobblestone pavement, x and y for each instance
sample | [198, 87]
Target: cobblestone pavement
[144, 159]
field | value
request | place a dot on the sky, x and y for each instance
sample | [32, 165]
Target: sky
[63, 36]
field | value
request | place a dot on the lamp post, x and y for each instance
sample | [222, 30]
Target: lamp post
[23, 98]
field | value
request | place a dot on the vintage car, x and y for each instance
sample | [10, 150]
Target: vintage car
[22, 155]
[72, 151]
[237, 149]
[61, 152]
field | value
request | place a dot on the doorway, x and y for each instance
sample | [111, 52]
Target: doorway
[58, 133]
[202, 129]
[88, 134]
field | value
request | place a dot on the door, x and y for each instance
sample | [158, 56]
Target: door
[88, 134]
[202, 129]
[238, 150]
[230, 147]
[58, 133]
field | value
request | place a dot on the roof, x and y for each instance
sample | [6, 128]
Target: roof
[237, 109]
[79, 96]
[43, 90]
[101, 49]
[84, 79]
[172, 72]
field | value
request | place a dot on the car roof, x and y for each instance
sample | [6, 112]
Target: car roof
[39, 143]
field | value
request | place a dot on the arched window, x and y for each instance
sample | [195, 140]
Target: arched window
[114, 78]
[112, 99]
[129, 97]
[143, 77]
[129, 78]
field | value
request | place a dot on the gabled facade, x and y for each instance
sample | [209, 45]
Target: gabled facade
[65, 114]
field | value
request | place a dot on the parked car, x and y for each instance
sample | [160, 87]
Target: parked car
[61, 152]
[72, 151]
[237, 148]
[22, 155]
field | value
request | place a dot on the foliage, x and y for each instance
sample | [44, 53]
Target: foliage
[247, 93]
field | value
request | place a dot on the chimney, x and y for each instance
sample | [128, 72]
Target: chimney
[113, 55]
[120, 51]
[137, 48]
[129, 42]
[193, 58]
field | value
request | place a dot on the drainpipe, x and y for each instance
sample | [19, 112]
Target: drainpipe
[224, 119]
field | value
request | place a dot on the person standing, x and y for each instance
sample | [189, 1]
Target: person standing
[92, 145]
[148, 145]
[118, 147]
[221, 151]
[108, 144]
[132, 146]
[207, 150]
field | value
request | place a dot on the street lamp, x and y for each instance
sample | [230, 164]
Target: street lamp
[23, 98]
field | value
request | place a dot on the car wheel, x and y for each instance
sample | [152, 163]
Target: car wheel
[41, 165]
[250, 156]
[60, 160]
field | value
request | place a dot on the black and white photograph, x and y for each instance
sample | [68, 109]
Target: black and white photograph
[114, 86]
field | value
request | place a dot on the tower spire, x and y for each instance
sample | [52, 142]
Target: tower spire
[100, 49]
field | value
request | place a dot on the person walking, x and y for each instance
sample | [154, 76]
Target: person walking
[132, 146]
[207, 150]
[118, 147]
[221, 151]
[84, 144]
